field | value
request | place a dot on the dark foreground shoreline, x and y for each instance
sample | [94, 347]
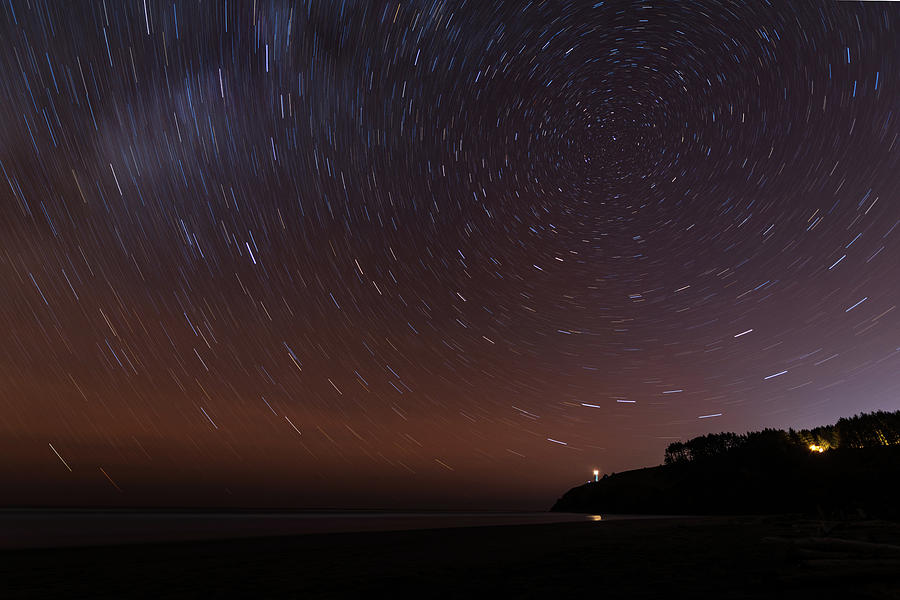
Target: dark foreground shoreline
[695, 557]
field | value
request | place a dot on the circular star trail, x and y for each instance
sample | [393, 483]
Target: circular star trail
[433, 253]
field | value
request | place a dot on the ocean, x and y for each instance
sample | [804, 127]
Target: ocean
[45, 528]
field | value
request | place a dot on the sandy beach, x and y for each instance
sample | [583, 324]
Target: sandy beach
[723, 557]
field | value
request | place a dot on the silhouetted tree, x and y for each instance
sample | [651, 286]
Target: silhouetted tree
[676, 453]
[859, 431]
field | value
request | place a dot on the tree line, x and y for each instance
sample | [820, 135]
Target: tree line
[859, 431]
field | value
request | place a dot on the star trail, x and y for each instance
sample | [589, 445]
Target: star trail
[458, 253]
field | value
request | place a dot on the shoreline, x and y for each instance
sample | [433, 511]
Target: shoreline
[724, 557]
[67, 529]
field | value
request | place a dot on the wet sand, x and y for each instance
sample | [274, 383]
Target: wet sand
[728, 557]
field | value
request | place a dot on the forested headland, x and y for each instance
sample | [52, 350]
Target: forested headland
[851, 468]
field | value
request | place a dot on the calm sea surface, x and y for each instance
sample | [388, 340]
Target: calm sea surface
[52, 528]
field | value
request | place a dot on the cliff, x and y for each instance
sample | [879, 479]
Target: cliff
[787, 479]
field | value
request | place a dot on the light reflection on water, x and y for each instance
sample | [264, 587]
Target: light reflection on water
[48, 528]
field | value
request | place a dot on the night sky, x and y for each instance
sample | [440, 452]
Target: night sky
[433, 254]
